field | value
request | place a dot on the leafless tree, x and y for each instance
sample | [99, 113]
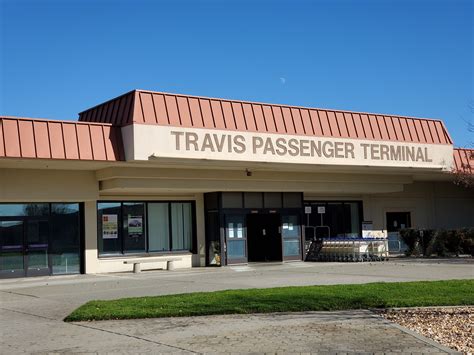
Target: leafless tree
[464, 177]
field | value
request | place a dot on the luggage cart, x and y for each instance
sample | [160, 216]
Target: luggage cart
[352, 250]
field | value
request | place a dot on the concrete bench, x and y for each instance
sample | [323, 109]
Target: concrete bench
[136, 262]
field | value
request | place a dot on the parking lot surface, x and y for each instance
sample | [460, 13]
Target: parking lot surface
[31, 311]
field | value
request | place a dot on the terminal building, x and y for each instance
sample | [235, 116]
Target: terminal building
[213, 182]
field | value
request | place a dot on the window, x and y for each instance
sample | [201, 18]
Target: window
[109, 215]
[144, 227]
[181, 217]
[40, 238]
[291, 235]
[343, 219]
[133, 227]
[24, 209]
[158, 227]
[65, 243]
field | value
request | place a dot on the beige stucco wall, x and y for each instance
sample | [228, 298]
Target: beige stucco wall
[431, 204]
[42, 185]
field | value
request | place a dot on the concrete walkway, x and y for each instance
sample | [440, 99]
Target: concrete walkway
[31, 311]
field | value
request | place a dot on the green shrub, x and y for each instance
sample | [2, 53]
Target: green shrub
[426, 240]
[439, 245]
[440, 242]
[467, 244]
[455, 238]
[410, 238]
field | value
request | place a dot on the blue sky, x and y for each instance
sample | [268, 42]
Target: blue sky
[410, 58]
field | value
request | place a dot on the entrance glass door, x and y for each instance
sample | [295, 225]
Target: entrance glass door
[11, 249]
[291, 235]
[36, 247]
[395, 222]
[236, 239]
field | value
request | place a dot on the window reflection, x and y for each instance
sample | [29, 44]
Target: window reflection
[138, 227]
[45, 236]
[341, 219]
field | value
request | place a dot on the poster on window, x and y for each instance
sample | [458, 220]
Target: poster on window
[109, 226]
[135, 226]
[240, 230]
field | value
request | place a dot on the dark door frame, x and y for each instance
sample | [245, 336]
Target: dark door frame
[22, 273]
[25, 250]
[24, 220]
[27, 247]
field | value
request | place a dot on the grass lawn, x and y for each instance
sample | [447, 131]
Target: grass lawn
[283, 299]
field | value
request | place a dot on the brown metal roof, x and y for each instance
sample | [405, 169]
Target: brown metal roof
[48, 139]
[464, 160]
[148, 107]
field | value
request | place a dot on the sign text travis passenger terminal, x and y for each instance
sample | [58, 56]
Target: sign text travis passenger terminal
[185, 141]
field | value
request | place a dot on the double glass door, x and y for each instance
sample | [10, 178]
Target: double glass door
[24, 245]
[262, 237]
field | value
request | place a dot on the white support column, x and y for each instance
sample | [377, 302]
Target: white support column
[90, 231]
[200, 258]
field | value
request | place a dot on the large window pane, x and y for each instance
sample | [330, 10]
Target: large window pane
[108, 231]
[343, 218]
[11, 246]
[354, 221]
[140, 227]
[291, 247]
[291, 227]
[24, 209]
[65, 238]
[334, 218]
[235, 249]
[235, 235]
[181, 221]
[158, 227]
[37, 242]
[134, 238]
[291, 233]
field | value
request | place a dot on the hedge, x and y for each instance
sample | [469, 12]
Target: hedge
[441, 242]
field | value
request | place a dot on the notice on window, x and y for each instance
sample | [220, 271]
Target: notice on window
[230, 228]
[109, 226]
[135, 226]
[240, 230]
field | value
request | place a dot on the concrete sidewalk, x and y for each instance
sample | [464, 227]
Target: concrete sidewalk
[32, 310]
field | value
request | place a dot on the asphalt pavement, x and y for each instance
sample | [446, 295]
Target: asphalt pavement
[32, 309]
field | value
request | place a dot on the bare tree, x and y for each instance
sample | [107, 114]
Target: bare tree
[464, 177]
